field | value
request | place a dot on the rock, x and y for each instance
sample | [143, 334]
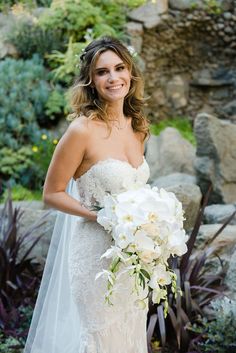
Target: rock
[230, 279]
[169, 153]
[174, 179]
[224, 245]
[31, 217]
[229, 110]
[135, 31]
[216, 157]
[148, 14]
[7, 49]
[184, 4]
[219, 213]
[177, 92]
[190, 196]
[159, 97]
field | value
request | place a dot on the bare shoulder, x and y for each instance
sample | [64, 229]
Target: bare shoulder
[79, 127]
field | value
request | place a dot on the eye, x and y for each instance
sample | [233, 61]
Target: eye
[101, 72]
[121, 68]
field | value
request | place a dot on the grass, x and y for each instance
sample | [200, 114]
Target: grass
[183, 125]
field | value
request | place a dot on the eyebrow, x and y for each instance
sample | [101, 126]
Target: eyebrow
[104, 68]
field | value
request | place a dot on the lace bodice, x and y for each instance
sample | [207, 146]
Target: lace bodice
[109, 176]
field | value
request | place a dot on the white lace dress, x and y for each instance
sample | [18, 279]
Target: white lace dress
[120, 328]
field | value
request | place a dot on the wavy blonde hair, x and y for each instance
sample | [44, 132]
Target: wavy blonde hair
[84, 98]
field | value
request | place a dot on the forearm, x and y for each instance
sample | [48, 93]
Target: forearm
[65, 203]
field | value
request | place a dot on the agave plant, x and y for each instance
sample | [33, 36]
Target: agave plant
[198, 288]
[19, 273]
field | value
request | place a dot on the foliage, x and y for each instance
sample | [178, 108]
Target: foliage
[218, 335]
[23, 99]
[183, 125]
[56, 103]
[16, 165]
[212, 7]
[20, 193]
[19, 273]
[27, 166]
[10, 344]
[15, 341]
[6, 5]
[26, 101]
[79, 22]
[29, 38]
[42, 154]
[198, 289]
[24, 93]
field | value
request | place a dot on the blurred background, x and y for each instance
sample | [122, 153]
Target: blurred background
[186, 52]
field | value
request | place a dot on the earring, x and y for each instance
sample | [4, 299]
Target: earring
[93, 91]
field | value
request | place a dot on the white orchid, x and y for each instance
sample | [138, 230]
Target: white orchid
[147, 227]
[160, 276]
[123, 235]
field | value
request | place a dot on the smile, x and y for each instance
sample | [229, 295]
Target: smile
[113, 88]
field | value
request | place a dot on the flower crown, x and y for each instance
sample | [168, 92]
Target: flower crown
[130, 49]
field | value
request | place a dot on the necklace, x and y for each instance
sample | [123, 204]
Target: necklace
[118, 126]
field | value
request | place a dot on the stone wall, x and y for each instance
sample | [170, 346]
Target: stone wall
[187, 54]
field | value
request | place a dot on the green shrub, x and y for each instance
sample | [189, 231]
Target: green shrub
[5, 5]
[42, 154]
[219, 334]
[24, 94]
[16, 165]
[20, 193]
[79, 22]
[181, 124]
[74, 17]
[29, 38]
[27, 166]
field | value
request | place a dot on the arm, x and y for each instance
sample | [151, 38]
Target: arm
[66, 159]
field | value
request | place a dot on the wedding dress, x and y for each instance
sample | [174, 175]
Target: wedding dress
[100, 327]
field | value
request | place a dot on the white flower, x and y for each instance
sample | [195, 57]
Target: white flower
[151, 229]
[129, 213]
[177, 242]
[158, 294]
[105, 221]
[159, 277]
[145, 247]
[123, 235]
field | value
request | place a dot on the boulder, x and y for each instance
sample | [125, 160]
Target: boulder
[190, 196]
[174, 179]
[149, 14]
[219, 213]
[216, 157]
[169, 153]
[30, 218]
[135, 31]
[189, 4]
[224, 244]
[177, 92]
[230, 279]
[184, 4]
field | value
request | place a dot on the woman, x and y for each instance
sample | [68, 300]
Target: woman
[102, 151]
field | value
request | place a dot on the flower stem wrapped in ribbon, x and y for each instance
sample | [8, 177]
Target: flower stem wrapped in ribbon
[147, 227]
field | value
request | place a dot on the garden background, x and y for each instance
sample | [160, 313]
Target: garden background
[40, 44]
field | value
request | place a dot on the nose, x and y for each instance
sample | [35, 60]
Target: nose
[112, 76]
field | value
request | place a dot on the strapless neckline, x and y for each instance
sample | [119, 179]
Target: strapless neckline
[110, 159]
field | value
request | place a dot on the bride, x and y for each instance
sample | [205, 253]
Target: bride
[101, 152]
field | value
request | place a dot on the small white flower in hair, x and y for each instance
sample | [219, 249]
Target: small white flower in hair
[132, 51]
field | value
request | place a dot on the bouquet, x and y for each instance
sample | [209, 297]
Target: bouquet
[146, 225]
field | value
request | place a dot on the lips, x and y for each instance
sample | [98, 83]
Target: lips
[114, 88]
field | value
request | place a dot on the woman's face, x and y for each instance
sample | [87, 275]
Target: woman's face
[111, 77]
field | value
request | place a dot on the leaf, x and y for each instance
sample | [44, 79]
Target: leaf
[162, 326]
[145, 273]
